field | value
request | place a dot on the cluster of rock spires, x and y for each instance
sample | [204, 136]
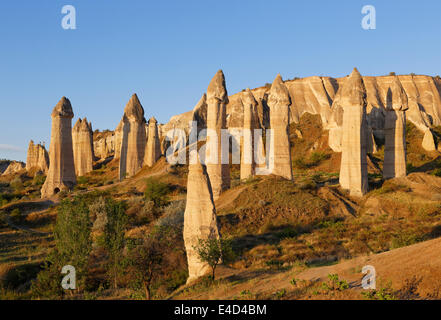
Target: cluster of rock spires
[71, 152]
[37, 157]
[136, 144]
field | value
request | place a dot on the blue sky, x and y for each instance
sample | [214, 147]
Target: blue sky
[167, 52]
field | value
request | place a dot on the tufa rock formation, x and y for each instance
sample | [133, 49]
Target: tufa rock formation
[353, 171]
[61, 174]
[14, 167]
[153, 149]
[322, 96]
[199, 218]
[103, 144]
[82, 139]
[217, 98]
[133, 140]
[280, 154]
[395, 132]
[247, 164]
[37, 157]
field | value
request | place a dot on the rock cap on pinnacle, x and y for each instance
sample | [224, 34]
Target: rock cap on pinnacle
[396, 96]
[247, 98]
[85, 125]
[152, 120]
[134, 109]
[353, 91]
[217, 88]
[63, 109]
[77, 125]
[279, 93]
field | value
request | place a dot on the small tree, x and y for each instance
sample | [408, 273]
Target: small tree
[146, 259]
[114, 239]
[214, 251]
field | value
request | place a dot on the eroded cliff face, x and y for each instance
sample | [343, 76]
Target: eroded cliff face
[322, 96]
[13, 167]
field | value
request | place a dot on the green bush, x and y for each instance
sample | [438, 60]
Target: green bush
[16, 184]
[157, 192]
[38, 180]
[16, 215]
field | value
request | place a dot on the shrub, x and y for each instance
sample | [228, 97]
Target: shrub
[147, 213]
[173, 215]
[82, 180]
[98, 214]
[157, 192]
[16, 184]
[392, 74]
[39, 179]
[335, 283]
[16, 215]
[437, 172]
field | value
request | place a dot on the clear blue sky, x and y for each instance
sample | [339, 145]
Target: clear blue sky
[167, 52]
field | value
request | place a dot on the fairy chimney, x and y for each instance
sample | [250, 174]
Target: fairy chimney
[133, 138]
[218, 168]
[353, 171]
[247, 164]
[280, 155]
[82, 138]
[61, 174]
[199, 218]
[395, 132]
[153, 149]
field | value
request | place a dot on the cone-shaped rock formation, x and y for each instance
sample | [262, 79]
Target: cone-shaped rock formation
[199, 218]
[353, 171]
[61, 174]
[133, 140]
[247, 164]
[153, 149]
[217, 99]
[395, 132]
[82, 139]
[280, 154]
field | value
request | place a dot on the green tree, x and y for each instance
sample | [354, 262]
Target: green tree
[114, 239]
[72, 247]
[214, 251]
[72, 236]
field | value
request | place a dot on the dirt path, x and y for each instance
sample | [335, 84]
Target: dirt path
[421, 261]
